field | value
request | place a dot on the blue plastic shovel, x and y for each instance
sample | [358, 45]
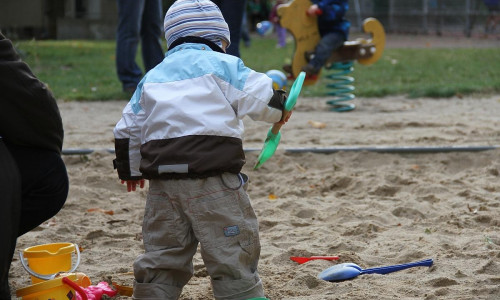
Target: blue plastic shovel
[274, 134]
[347, 271]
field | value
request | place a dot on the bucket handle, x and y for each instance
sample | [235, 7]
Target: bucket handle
[49, 276]
[76, 287]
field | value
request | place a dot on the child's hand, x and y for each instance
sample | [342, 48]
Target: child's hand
[131, 184]
[313, 10]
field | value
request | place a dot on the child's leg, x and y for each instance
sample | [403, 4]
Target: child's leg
[226, 226]
[166, 266]
[327, 45]
[281, 31]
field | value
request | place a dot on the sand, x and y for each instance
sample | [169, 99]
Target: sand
[369, 208]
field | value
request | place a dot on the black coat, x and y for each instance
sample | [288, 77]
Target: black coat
[29, 115]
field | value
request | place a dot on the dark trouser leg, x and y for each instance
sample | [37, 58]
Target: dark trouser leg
[10, 193]
[127, 41]
[232, 10]
[151, 28]
[328, 44]
[44, 185]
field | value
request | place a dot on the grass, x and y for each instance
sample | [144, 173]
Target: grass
[436, 73]
[75, 70]
[85, 70]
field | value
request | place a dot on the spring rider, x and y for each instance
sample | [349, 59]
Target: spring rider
[304, 29]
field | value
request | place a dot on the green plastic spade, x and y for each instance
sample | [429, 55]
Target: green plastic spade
[274, 134]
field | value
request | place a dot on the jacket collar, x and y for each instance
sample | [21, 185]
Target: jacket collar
[197, 40]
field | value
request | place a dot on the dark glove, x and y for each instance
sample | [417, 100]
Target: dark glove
[278, 99]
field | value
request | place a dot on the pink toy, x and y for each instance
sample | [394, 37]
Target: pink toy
[93, 292]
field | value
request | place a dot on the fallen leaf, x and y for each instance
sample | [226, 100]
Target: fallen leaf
[108, 212]
[315, 124]
[301, 168]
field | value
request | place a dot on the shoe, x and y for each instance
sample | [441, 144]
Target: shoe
[309, 55]
[310, 70]
[288, 69]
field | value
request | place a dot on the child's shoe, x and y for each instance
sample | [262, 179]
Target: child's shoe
[310, 70]
[309, 55]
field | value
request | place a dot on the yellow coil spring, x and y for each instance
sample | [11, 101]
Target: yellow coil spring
[341, 86]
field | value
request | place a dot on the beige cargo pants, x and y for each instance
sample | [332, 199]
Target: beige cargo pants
[215, 212]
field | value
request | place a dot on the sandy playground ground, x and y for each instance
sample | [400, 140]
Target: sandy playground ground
[369, 208]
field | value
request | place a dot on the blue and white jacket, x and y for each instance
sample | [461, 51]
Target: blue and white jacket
[185, 118]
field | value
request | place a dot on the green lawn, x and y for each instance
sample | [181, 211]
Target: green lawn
[85, 70]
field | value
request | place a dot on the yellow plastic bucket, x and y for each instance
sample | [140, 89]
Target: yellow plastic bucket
[50, 289]
[45, 262]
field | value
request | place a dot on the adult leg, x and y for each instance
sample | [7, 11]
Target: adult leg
[10, 191]
[151, 29]
[44, 185]
[232, 10]
[245, 36]
[127, 41]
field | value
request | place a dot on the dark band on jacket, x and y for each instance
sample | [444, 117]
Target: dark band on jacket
[194, 156]
[121, 163]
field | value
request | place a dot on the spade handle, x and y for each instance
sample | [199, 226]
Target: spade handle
[389, 269]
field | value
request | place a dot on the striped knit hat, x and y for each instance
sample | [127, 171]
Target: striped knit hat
[201, 18]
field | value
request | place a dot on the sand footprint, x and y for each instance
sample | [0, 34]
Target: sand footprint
[409, 213]
[490, 268]
[442, 282]
[366, 230]
[385, 191]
